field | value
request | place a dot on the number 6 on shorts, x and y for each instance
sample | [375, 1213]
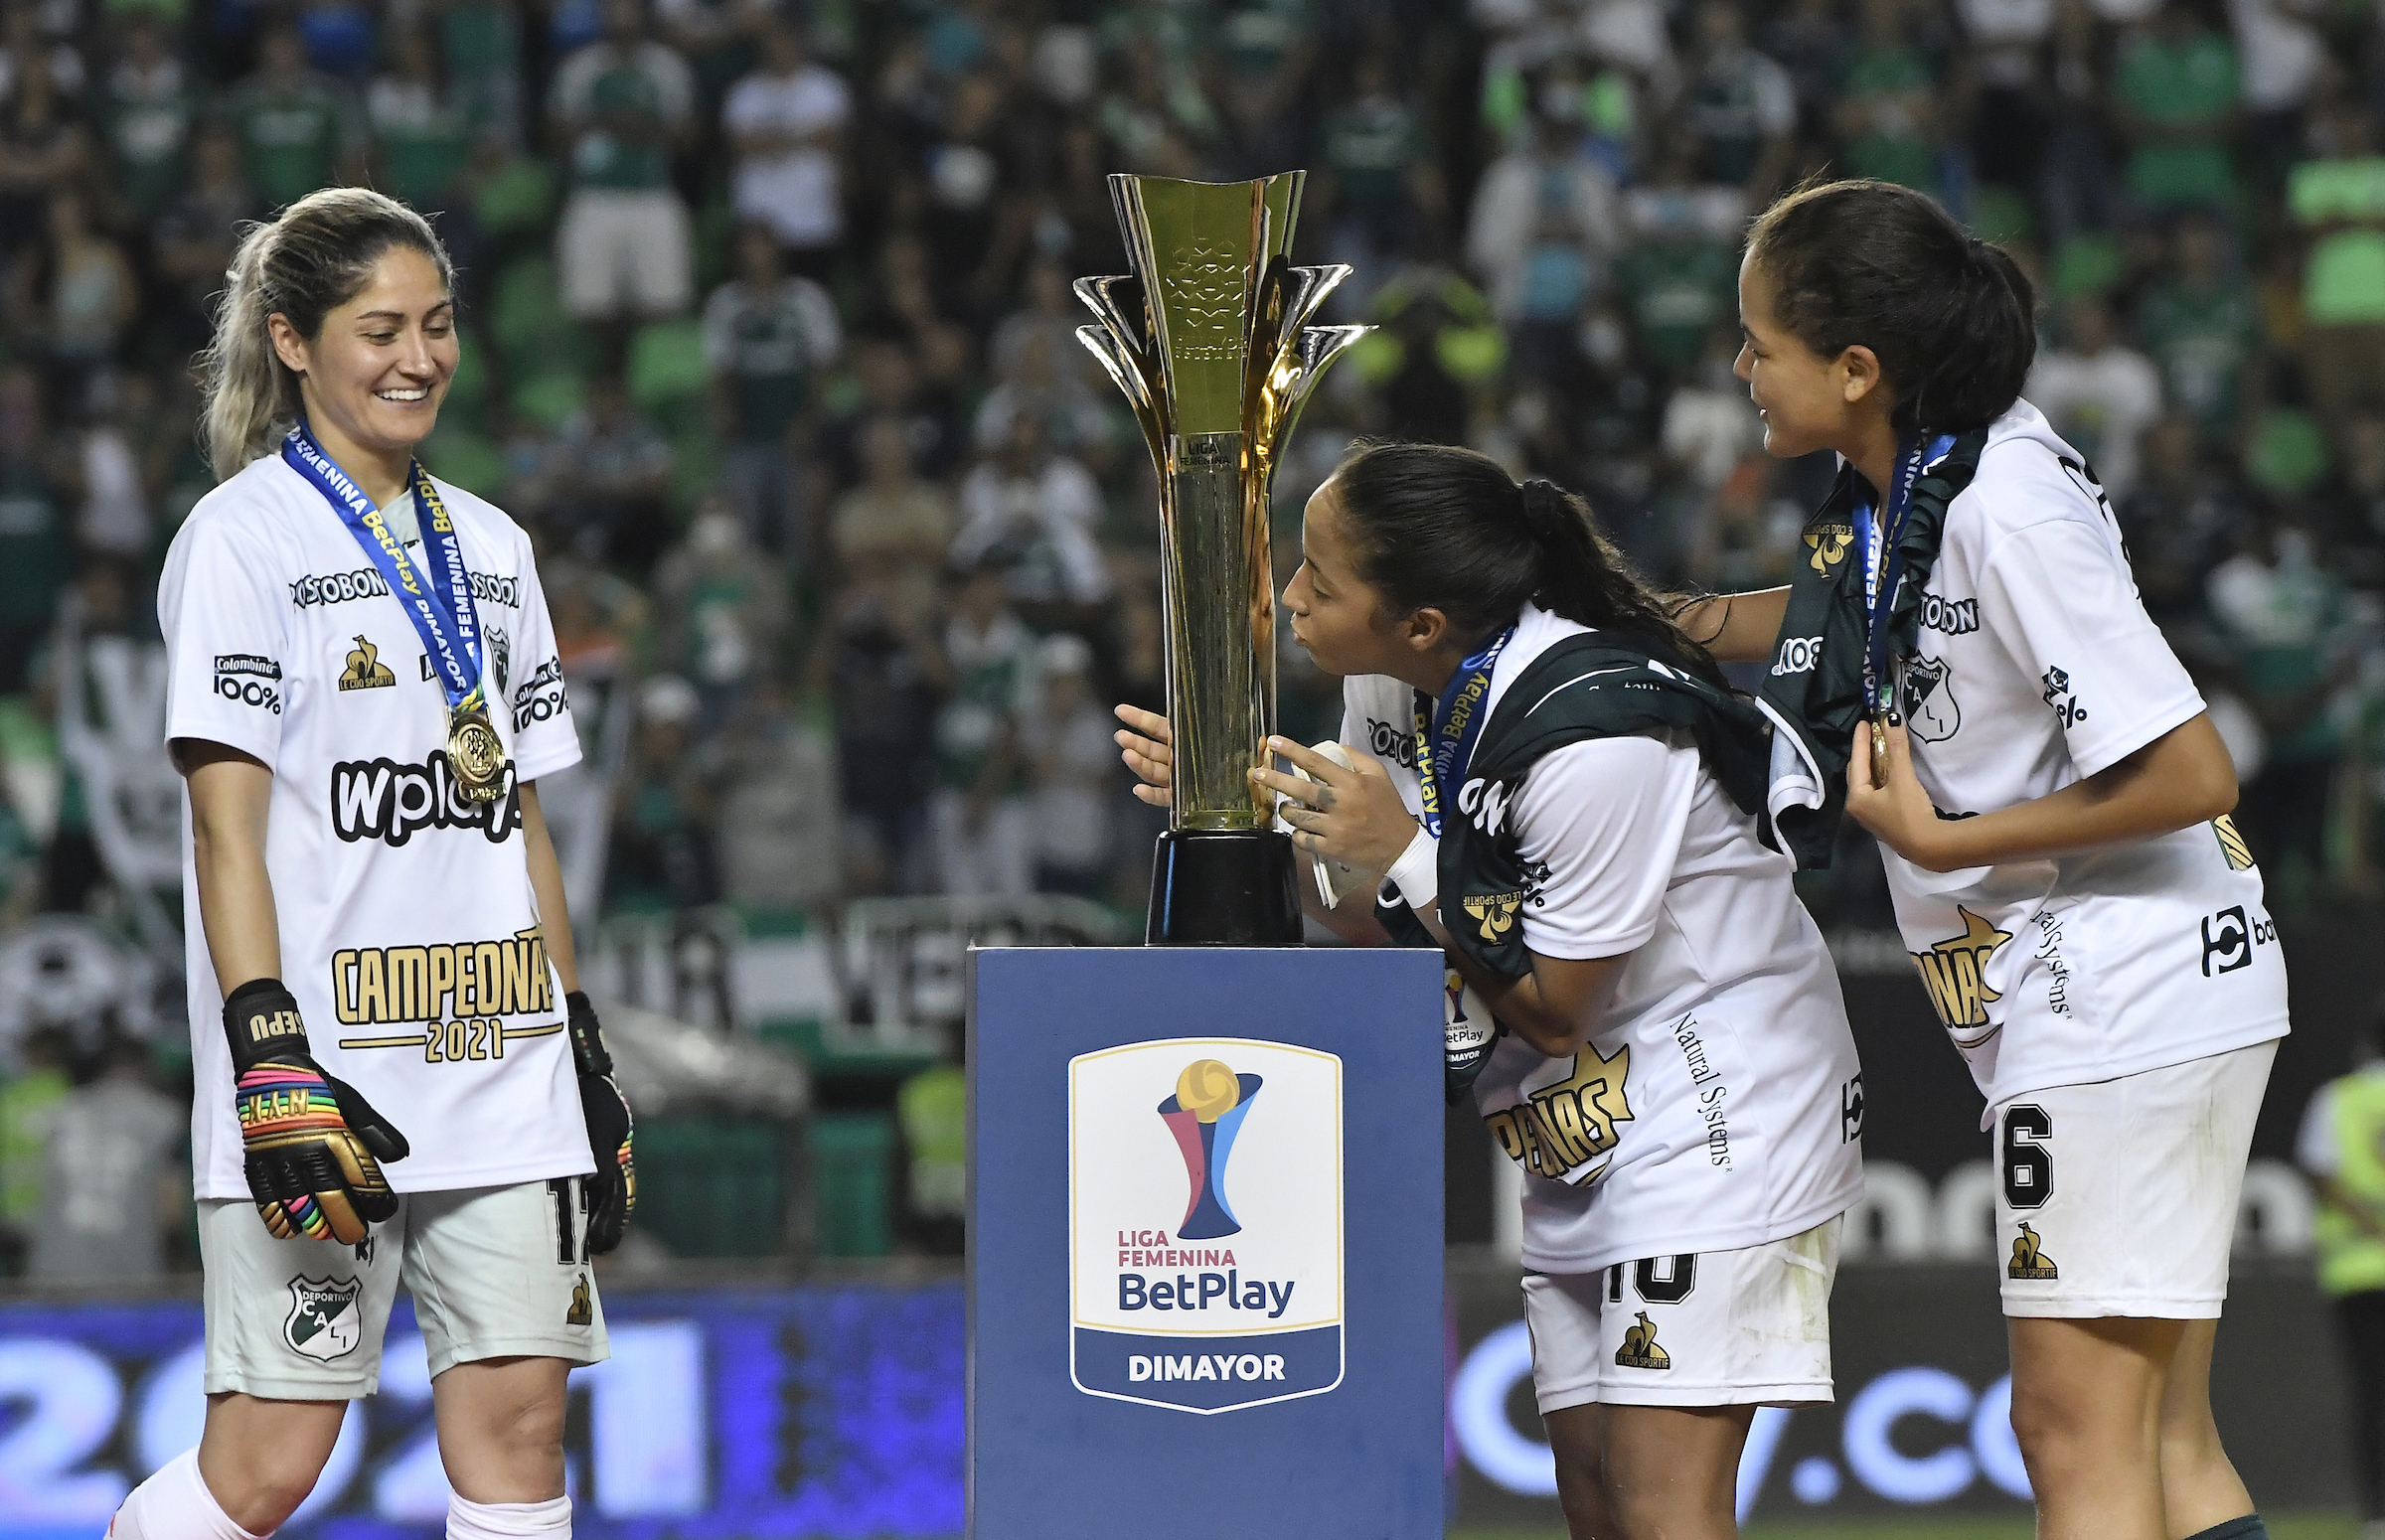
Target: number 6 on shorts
[2029, 1163]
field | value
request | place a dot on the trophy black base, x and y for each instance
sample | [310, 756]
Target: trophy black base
[1223, 888]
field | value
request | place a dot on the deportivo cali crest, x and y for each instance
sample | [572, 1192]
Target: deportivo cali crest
[324, 1323]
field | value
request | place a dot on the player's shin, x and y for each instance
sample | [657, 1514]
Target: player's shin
[175, 1504]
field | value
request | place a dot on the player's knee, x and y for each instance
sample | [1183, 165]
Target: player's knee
[2064, 1425]
[265, 1485]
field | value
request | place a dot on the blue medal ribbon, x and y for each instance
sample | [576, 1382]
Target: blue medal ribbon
[1884, 567]
[1445, 732]
[438, 601]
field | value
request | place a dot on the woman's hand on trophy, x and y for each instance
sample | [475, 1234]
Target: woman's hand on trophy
[1351, 813]
[1149, 751]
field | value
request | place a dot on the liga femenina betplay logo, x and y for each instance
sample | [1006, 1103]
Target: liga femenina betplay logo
[1205, 1222]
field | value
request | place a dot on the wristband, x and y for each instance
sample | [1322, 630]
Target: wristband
[1417, 873]
[261, 1020]
[588, 1053]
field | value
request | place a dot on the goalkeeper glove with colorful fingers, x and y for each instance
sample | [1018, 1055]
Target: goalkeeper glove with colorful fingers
[613, 1193]
[314, 1145]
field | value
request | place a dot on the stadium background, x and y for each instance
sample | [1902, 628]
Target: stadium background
[768, 340]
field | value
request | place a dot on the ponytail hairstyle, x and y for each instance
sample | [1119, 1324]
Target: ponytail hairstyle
[314, 257]
[1951, 317]
[1449, 528]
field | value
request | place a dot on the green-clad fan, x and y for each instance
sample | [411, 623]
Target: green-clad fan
[2341, 1148]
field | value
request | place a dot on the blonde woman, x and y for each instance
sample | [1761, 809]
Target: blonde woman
[381, 920]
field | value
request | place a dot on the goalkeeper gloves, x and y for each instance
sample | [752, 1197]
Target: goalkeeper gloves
[613, 1193]
[314, 1145]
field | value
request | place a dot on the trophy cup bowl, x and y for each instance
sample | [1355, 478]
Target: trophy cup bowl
[1208, 338]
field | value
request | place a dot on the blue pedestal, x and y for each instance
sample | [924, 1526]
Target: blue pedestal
[1205, 1244]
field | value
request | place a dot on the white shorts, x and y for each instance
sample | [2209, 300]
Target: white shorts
[624, 251]
[2119, 1199]
[1722, 1328]
[495, 1271]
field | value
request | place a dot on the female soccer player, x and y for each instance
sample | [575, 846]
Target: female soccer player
[1560, 792]
[2052, 800]
[380, 914]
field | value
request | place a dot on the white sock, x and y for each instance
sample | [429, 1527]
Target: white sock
[548, 1520]
[175, 1504]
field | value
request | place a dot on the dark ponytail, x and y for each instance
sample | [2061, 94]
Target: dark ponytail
[1448, 529]
[1951, 317]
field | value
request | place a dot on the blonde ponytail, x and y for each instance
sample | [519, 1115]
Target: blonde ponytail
[314, 257]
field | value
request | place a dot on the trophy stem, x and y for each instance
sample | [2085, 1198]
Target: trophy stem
[1220, 605]
[1224, 888]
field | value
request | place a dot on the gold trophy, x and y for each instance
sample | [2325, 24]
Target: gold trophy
[1209, 340]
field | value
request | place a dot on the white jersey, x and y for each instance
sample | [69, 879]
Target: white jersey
[410, 934]
[1720, 1105]
[2036, 666]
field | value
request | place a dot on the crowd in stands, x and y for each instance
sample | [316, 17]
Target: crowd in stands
[768, 338]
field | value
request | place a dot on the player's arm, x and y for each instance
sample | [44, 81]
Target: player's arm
[2183, 778]
[612, 1188]
[1554, 1007]
[1735, 627]
[312, 1144]
[229, 793]
[547, 886]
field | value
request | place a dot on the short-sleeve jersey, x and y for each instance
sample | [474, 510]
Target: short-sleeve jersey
[410, 934]
[1718, 1104]
[2035, 665]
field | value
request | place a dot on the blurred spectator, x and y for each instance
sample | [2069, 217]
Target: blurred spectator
[2339, 198]
[38, 484]
[2009, 120]
[663, 852]
[44, 150]
[1037, 383]
[2099, 394]
[72, 297]
[778, 800]
[980, 818]
[784, 122]
[2202, 324]
[1051, 314]
[1072, 773]
[196, 237]
[2176, 91]
[145, 112]
[1386, 191]
[25, 50]
[1680, 276]
[1739, 106]
[113, 1188]
[2283, 616]
[1029, 515]
[116, 518]
[878, 658]
[295, 125]
[1545, 220]
[613, 470]
[1888, 104]
[725, 614]
[2182, 519]
[422, 125]
[29, 1099]
[2340, 1148]
[767, 337]
[624, 105]
[894, 528]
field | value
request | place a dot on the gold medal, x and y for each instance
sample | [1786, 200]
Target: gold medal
[1879, 751]
[475, 755]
